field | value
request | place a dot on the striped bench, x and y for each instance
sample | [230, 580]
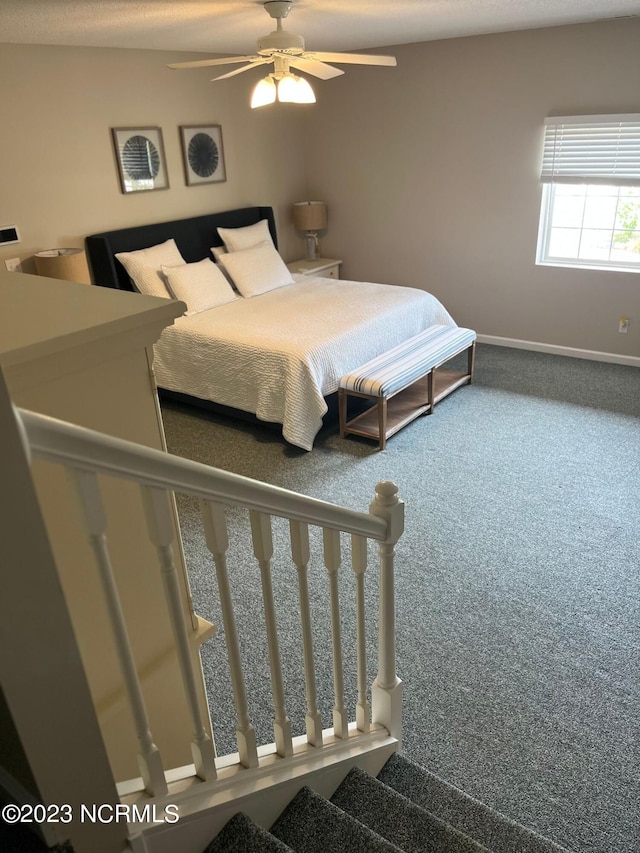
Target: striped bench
[405, 382]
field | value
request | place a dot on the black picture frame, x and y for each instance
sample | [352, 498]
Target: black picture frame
[202, 154]
[142, 166]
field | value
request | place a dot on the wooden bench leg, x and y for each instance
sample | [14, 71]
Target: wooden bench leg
[342, 411]
[382, 422]
[471, 359]
[430, 378]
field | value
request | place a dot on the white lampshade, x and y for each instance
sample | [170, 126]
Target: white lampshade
[295, 90]
[66, 264]
[264, 93]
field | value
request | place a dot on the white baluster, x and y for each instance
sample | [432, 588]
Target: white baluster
[386, 692]
[300, 554]
[263, 550]
[161, 532]
[331, 539]
[359, 563]
[149, 759]
[215, 528]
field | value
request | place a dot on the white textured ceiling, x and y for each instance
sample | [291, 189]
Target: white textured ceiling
[232, 26]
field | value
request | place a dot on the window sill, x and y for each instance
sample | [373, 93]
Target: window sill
[586, 266]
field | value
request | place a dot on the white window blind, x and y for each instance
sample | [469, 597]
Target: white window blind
[592, 149]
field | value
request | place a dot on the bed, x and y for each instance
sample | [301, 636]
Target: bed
[278, 354]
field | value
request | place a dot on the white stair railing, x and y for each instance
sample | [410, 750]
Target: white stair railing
[161, 533]
[301, 555]
[332, 561]
[215, 526]
[87, 453]
[359, 564]
[263, 550]
[149, 759]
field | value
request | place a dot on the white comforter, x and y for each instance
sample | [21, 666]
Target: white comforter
[279, 354]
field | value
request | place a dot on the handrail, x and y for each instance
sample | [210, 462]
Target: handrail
[86, 453]
[79, 447]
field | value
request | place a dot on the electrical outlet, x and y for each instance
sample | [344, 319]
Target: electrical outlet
[623, 325]
[13, 264]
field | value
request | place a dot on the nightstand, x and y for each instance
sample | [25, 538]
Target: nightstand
[323, 267]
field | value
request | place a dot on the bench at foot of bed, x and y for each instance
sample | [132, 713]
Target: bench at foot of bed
[405, 382]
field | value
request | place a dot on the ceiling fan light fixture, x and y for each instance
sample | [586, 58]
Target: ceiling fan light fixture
[285, 49]
[264, 93]
[295, 90]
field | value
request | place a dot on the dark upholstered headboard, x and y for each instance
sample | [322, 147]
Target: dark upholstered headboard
[194, 238]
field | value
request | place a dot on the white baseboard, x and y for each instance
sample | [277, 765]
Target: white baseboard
[614, 358]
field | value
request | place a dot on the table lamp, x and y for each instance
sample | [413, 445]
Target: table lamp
[66, 264]
[310, 217]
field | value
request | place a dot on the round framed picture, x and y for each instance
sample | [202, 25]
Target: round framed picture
[140, 156]
[203, 154]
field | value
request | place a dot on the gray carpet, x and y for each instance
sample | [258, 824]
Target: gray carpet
[517, 586]
[393, 816]
[311, 824]
[468, 816]
[242, 835]
[405, 809]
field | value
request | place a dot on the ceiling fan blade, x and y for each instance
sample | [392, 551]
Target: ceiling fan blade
[203, 63]
[352, 58]
[240, 70]
[317, 69]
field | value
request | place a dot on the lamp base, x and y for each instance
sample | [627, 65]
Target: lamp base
[312, 246]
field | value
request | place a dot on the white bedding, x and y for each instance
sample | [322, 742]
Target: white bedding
[279, 354]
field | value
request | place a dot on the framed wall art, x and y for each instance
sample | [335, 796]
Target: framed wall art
[203, 154]
[140, 157]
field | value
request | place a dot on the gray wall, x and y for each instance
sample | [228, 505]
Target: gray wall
[431, 174]
[430, 170]
[59, 175]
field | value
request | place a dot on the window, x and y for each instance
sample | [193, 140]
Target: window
[590, 214]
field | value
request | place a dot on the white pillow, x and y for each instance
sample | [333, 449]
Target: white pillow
[226, 275]
[144, 266]
[218, 252]
[201, 285]
[237, 239]
[257, 270]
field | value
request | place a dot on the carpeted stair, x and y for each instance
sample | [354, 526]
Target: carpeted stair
[405, 809]
[242, 835]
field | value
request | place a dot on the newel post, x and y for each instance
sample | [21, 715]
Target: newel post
[386, 691]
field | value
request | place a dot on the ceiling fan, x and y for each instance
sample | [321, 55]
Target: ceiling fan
[286, 50]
